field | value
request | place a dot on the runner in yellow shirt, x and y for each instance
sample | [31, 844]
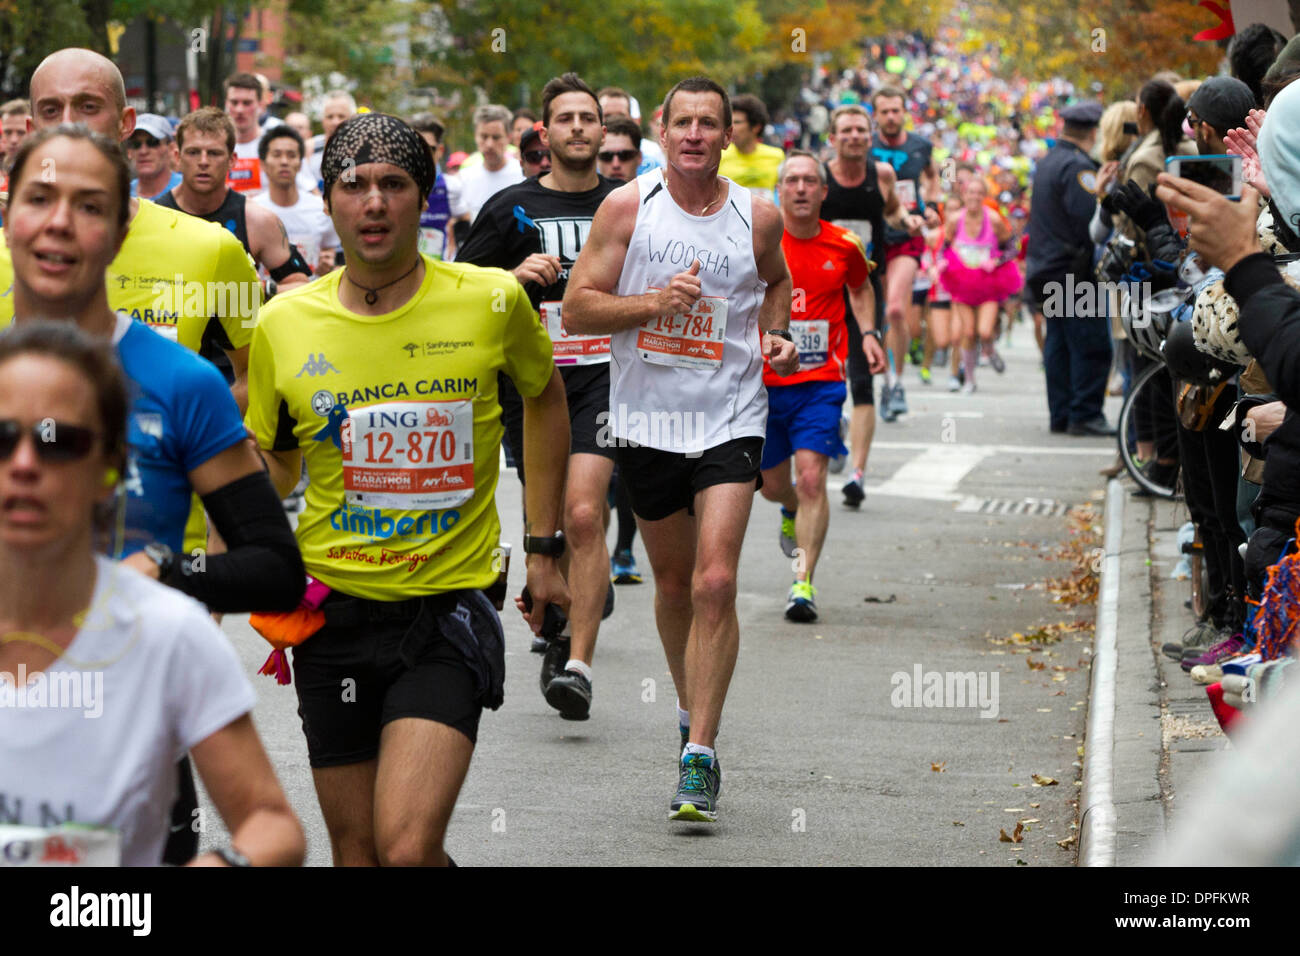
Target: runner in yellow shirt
[383, 374]
[748, 161]
[189, 279]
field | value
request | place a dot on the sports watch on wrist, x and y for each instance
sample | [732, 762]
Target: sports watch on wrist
[233, 857]
[551, 546]
[875, 334]
[782, 334]
[161, 555]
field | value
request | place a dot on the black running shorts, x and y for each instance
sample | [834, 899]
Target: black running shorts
[353, 680]
[586, 387]
[661, 483]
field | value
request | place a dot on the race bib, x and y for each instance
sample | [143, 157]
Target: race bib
[905, 189]
[413, 456]
[686, 340]
[571, 349]
[812, 338]
[860, 228]
[65, 845]
[245, 175]
[433, 241]
[972, 255]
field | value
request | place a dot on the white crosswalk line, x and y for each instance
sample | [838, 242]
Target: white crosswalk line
[935, 473]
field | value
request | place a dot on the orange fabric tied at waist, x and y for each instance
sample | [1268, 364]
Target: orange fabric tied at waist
[289, 629]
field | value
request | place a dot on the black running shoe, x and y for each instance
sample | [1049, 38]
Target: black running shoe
[570, 693]
[554, 658]
[853, 493]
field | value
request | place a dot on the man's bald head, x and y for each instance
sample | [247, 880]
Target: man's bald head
[75, 85]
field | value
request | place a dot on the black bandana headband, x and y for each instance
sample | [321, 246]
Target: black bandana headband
[377, 138]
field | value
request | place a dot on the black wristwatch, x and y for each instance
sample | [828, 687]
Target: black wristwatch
[161, 555]
[551, 547]
[233, 857]
[875, 334]
[781, 333]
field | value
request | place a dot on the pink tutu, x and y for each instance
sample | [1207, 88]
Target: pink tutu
[975, 286]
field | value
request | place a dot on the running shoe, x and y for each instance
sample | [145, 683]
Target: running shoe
[554, 657]
[853, 493]
[570, 693]
[968, 388]
[800, 605]
[995, 360]
[1219, 635]
[899, 401]
[887, 412]
[623, 568]
[954, 383]
[787, 533]
[1200, 635]
[916, 352]
[961, 375]
[925, 376]
[697, 790]
[1215, 655]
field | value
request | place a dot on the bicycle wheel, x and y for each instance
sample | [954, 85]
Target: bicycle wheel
[1126, 421]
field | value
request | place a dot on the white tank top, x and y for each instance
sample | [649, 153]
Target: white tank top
[688, 383]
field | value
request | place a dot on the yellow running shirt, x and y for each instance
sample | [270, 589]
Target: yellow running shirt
[176, 273]
[755, 171]
[398, 420]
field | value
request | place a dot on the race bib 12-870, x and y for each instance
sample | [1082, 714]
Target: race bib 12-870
[413, 456]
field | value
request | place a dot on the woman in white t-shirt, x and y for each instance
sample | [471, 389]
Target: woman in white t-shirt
[106, 677]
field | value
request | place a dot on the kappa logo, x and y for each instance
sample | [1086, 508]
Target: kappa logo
[316, 364]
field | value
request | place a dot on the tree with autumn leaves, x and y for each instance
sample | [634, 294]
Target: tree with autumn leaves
[1117, 43]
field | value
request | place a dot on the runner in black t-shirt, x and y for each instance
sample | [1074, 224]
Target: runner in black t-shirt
[536, 229]
[860, 197]
[918, 190]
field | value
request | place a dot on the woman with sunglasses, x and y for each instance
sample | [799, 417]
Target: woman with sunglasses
[83, 637]
[184, 433]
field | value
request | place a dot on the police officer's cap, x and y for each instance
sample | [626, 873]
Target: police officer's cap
[1087, 113]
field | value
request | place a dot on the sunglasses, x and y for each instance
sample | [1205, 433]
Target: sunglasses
[624, 156]
[537, 155]
[55, 441]
[149, 141]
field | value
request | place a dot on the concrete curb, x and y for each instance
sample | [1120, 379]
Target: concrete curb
[1097, 815]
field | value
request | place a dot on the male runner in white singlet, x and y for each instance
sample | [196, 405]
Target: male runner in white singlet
[684, 270]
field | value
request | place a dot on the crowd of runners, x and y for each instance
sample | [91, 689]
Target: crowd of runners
[296, 358]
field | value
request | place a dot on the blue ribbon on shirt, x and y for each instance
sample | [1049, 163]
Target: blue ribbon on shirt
[522, 219]
[338, 414]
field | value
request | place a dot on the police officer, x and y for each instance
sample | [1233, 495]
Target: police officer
[1077, 348]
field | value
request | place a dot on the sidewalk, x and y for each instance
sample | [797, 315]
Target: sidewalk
[1151, 732]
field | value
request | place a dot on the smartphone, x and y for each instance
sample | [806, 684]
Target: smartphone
[1220, 173]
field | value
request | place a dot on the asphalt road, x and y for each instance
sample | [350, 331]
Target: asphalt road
[819, 764]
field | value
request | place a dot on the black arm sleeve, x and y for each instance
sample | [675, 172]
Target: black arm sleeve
[1269, 321]
[262, 569]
